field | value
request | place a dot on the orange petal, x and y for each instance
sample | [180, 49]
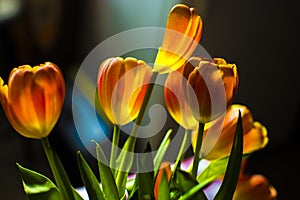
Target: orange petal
[230, 78]
[176, 101]
[183, 33]
[254, 187]
[255, 135]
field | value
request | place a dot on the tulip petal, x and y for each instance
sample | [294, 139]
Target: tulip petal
[254, 187]
[176, 102]
[255, 134]
[230, 78]
[183, 32]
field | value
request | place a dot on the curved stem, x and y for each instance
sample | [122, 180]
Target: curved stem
[58, 171]
[198, 149]
[129, 146]
[139, 119]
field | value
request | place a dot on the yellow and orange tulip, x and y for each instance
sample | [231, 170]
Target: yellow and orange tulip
[33, 99]
[175, 100]
[182, 35]
[255, 134]
[212, 86]
[122, 84]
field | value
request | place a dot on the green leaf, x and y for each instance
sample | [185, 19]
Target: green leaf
[161, 151]
[76, 195]
[130, 184]
[89, 179]
[164, 188]
[125, 161]
[38, 186]
[214, 170]
[229, 183]
[143, 183]
[185, 181]
[181, 153]
[134, 192]
[59, 173]
[145, 180]
[109, 186]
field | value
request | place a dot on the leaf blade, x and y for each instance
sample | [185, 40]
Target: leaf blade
[109, 186]
[38, 186]
[230, 180]
[89, 179]
[161, 151]
[164, 188]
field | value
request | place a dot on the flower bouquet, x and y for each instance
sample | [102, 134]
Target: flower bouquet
[198, 93]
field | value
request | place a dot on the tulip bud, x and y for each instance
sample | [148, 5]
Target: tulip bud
[182, 35]
[122, 84]
[33, 99]
[212, 86]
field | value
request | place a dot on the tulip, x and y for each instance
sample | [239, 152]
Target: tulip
[175, 100]
[256, 186]
[255, 134]
[122, 84]
[248, 187]
[182, 35]
[33, 99]
[212, 86]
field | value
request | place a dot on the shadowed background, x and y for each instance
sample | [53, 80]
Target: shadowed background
[259, 36]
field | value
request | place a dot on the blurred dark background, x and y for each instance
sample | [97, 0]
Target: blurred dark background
[261, 37]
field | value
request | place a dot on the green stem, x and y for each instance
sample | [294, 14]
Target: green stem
[114, 147]
[129, 146]
[139, 119]
[198, 149]
[58, 172]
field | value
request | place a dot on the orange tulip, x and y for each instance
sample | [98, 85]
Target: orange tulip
[122, 85]
[249, 186]
[175, 101]
[256, 186]
[182, 35]
[253, 187]
[212, 86]
[255, 134]
[33, 99]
